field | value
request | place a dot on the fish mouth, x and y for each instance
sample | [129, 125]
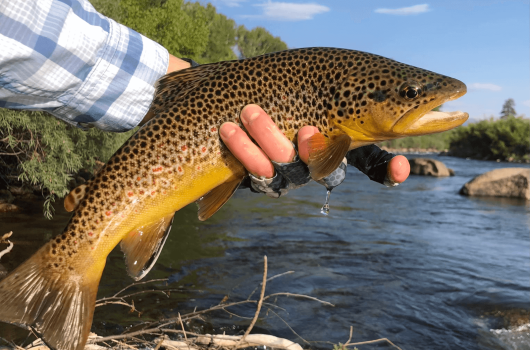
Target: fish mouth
[424, 121]
[433, 122]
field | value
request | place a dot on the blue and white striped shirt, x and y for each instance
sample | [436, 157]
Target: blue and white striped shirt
[63, 57]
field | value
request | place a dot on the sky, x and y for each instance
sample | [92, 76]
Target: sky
[484, 43]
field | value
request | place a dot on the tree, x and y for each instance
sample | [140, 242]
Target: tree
[508, 109]
[222, 36]
[257, 41]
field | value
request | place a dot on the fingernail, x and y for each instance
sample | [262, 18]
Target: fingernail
[227, 130]
[249, 119]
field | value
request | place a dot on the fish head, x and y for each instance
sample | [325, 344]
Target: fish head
[383, 99]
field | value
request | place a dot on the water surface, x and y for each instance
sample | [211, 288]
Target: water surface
[417, 264]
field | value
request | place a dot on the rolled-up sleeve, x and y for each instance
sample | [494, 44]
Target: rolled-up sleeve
[63, 57]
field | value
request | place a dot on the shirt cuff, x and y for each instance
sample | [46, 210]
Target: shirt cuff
[119, 90]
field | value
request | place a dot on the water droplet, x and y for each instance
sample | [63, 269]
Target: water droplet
[325, 208]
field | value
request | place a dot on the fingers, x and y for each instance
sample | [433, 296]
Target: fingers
[304, 135]
[268, 136]
[398, 169]
[250, 155]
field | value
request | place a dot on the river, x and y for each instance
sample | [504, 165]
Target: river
[418, 264]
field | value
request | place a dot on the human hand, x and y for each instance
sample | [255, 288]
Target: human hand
[276, 147]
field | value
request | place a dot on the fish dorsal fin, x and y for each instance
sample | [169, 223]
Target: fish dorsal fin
[325, 155]
[173, 86]
[143, 245]
[74, 197]
[211, 202]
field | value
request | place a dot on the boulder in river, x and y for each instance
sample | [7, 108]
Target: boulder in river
[429, 167]
[6, 201]
[505, 182]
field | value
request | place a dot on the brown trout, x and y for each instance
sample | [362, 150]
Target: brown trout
[354, 98]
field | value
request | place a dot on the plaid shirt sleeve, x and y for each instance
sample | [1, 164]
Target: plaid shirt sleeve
[63, 57]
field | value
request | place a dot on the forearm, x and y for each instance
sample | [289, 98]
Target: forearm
[80, 66]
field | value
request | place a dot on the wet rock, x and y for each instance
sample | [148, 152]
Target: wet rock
[429, 167]
[505, 182]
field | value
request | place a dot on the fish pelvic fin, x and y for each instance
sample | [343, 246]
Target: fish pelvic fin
[143, 245]
[57, 305]
[325, 155]
[211, 202]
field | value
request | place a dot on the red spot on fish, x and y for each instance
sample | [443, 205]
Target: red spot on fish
[91, 234]
[180, 169]
[113, 203]
[141, 192]
[97, 221]
[108, 213]
[170, 172]
[176, 187]
[198, 168]
[214, 129]
[164, 192]
[153, 193]
[75, 242]
[138, 178]
[203, 149]
[130, 194]
[161, 145]
[154, 182]
[93, 248]
[184, 148]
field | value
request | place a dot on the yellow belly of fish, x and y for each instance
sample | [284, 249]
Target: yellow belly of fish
[183, 191]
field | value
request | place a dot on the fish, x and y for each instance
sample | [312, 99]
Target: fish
[354, 98]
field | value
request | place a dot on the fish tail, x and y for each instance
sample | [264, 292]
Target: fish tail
[57, 305]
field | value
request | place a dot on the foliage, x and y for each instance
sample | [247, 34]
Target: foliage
[257, 41]
[38, 149]
[222, 37]
[508, 109]
[504, 139]
[438, 142]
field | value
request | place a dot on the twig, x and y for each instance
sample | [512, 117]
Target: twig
[300, 296]
[182, 325]
[260, 302]
[4, 239]
[351, 334]
[292, 330]
[374, 341]
[270, 279]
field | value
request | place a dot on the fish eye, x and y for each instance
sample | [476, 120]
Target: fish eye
[409, 91]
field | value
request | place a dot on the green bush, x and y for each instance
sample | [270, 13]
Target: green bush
[504, 139]
[40, 150]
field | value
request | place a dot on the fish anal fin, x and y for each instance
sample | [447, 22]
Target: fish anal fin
[325, 155]
[211, 202]
[143, 245]
[75, 196]
[57, 303]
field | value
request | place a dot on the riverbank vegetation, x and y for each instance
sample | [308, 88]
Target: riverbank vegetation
[506, 139]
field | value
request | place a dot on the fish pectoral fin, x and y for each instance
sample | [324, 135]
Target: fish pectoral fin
[143, 245]
[325, 155]
[74, 197]
[212, 201]
[57, 303]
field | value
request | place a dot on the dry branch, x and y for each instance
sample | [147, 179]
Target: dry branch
[4, 239]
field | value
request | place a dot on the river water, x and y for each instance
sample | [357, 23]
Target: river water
[417, 264]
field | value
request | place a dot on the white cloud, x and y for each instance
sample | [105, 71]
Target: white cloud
[527, 103]
[405, 11]
[231, 3]
[485, 86]
[287, 11]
